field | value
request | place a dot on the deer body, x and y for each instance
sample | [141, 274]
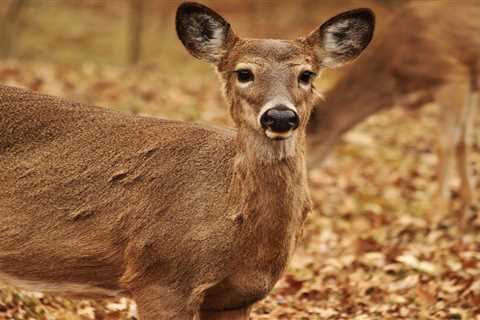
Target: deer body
[133, 209]
[190, 221]
[428, 52]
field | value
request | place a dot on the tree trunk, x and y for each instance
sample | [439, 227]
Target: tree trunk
[9, 27]
[137, 13]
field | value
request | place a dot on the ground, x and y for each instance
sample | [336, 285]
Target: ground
[368, 251]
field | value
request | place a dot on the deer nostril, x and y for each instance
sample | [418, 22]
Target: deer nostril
[266, 120]
[293, 120]
[279, 119]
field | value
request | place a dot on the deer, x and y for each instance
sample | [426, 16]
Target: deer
[427, 52]
[190, 221]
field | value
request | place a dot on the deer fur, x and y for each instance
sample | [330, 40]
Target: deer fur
[427, 52]
[189, 220]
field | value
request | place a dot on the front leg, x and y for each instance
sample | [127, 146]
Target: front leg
[159, 303]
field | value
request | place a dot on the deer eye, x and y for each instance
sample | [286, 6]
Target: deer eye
[244, 75]
[306, 77]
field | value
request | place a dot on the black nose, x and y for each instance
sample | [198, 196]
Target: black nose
[279, 119]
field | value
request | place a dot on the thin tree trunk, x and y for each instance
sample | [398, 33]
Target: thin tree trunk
[137, 13]
[9, 27]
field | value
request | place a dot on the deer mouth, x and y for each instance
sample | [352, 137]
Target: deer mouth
[278, 135]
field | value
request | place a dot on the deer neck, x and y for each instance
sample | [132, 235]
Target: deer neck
[349, 103]
[269, 179]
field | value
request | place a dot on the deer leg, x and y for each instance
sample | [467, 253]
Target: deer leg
[463, 151]
[444, 172]
[240, 314]
[158, 303]
[451, 118]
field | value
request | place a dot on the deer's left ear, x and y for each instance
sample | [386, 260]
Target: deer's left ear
[343, 37]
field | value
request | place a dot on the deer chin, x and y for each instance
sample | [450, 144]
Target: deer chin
[278, 135]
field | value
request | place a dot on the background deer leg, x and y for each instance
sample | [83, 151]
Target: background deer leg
[159, 303]
[463, 150]
[445, 150]
[240, 314]
[451, 98]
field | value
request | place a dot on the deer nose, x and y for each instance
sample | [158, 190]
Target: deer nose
[279, 119]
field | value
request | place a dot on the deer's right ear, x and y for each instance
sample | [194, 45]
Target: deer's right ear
[205, 34]
[343, 37]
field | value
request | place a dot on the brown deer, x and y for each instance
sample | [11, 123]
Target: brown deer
[427, 52]
[190, 221]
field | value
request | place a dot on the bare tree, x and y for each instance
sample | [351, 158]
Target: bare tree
[9, 27]
[137, 14]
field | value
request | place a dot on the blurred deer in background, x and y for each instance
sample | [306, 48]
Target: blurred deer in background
[188, 220]
[427, 52]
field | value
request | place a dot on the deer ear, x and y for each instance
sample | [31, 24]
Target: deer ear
[343, 37]
[205, 34]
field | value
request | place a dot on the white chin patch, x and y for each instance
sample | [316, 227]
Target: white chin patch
[278, 135]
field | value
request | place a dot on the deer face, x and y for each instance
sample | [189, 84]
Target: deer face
[269, 83]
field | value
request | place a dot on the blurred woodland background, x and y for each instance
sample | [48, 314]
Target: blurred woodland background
[370, 251]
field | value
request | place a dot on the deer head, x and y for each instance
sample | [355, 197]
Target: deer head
[269, 83]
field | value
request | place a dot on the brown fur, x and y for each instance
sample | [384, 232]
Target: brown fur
[428, 51]
[105, 200]
[181, 217]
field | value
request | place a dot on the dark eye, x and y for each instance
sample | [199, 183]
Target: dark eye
[306, 77]
[244, 75]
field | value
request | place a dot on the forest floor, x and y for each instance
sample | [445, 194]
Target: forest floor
[368, 251]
